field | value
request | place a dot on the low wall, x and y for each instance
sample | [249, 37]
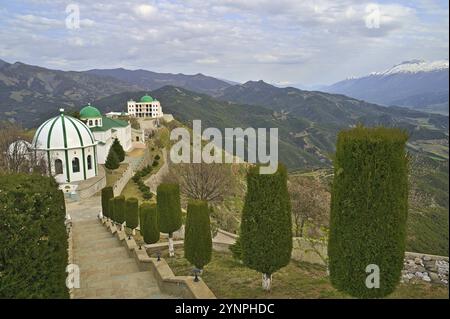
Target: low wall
[180, 286]
[92, 189]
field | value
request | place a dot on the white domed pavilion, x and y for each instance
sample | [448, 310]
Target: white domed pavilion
[69, 148]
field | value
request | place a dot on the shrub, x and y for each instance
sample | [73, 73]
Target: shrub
[369, 208]
[119, 209]
[118, 149]
[266, 227]
[132, 212]
[107, 194]
[198, 241]
[157, 157]
[169, 210]
[112, 161]
[236, 249]
[149, 223]
[33, 238]
[155, 163]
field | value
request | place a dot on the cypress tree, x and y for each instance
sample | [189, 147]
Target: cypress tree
[197, 239]
[119, 209]
[149, 223]
[118, 149]
[112, 160]
[369, 207]
[132, 212]
[111, 209]
[266, 227]
[107, 194]
[169, 210]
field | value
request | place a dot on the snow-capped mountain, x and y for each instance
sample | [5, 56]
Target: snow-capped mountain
[415, 66]
[417, 84]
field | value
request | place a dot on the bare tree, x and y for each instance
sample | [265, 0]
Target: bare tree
[210, 182]
[16, 153]
[310, 204]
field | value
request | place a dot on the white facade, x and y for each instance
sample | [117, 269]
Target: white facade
[106, 138]
[147, 107]
[69, 148]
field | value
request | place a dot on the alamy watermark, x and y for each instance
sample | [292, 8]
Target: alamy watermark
[73, 276]
[373, 279]
[73, 16]
[261, 147]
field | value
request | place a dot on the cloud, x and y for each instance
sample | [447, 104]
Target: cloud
[279, 41]
[145, 10]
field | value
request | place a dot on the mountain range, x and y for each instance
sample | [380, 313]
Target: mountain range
[308, 122]
[417, 84]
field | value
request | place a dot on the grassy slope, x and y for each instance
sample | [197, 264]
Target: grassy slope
[227, 278]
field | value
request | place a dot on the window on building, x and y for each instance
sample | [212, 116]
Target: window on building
[75, 165]
[90, 122]
[96, 122]
[89, 162]
[58, 167]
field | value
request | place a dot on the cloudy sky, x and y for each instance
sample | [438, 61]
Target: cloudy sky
[280, 41]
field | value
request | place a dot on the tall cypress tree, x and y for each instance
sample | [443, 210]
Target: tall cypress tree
[119, 209]
[148, 217]
[132, 212]
[118, 149]
[369, 207]
[266, 227]
[197, 239]
[107, 193]
[169, 210]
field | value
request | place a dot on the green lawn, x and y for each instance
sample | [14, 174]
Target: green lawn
[227, 278]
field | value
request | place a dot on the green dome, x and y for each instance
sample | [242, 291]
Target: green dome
[89, 112]
[146, 99]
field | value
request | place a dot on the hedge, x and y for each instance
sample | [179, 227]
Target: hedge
[132, 212]
[149, 223]
[107, 194]
[266, 227]
[197, 239]
[119, 209]
[369, 207]
[33, 238]
[168, 207]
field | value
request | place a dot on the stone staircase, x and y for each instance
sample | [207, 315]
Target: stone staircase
[106, 270]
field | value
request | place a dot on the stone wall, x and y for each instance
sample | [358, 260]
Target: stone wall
[423, 267]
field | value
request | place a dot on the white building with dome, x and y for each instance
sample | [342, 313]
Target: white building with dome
[69, 147]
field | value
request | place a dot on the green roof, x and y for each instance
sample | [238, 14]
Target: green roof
[108, 123]
[146, 99]
[89, 112]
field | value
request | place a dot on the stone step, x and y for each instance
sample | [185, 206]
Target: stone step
[86, 222]
[97, 244]
[100, 275]
[99, 260]
[102, 255]
[89, 228]
[93, 236]
[119, 293]
[118, 264]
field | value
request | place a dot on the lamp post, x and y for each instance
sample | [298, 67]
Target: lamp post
[196, 273]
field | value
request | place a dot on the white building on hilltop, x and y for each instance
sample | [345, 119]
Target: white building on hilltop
[105, 130]
[147, 107]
